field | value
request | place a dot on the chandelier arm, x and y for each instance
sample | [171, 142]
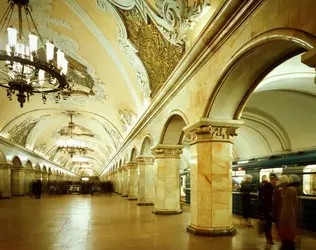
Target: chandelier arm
[27, 19]
[35, 27]
[5, 15]
[20, 34]
[8, 17]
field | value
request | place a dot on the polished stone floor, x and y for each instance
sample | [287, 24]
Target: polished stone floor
[102, 222]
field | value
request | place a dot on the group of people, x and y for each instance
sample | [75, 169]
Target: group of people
[278, 204]
[35, 188]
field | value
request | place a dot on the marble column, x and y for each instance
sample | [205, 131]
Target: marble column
[17, 178]
[119, 181]
[28, 179]
[211, 176]
[5, 180]
[124, 181]
[45, 181]
[38, 175]
[167, 183]
[132, 180]
[146, 180]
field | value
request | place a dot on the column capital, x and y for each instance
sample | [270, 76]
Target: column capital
[20, 169]
[145, 159]
[212, 130]
[131, 164]
[167, 151]
[30, 170]
[123, 168]
[5, 165]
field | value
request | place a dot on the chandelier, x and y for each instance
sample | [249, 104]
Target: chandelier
[25, 69]
[72, 146]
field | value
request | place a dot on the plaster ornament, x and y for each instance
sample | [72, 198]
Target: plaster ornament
[127, 47]
[172, 17]
[127, 118]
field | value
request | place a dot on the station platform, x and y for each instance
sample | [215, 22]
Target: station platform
[84, 222]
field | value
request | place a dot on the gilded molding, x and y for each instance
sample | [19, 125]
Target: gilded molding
[145, 160]
[167, 151]
[207, 130]
[131, 165]
[173, 18]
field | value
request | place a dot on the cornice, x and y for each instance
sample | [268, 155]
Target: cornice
[13, 145]
[224, 22]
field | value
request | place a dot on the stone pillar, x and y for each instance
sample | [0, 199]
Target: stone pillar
[28, 179]
[132, 180]
[211, 176]
[167, 183]
[124, 181]
[146, 180]
[119, 181]
[5, 180]
[38, 175]
[45, 181]
[17, 178]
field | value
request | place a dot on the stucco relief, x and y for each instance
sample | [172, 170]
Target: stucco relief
[173, 18]
[159, 56]
[128, 48]
[19, 132]
[127, 118]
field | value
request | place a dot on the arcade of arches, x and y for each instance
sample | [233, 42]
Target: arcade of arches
[236, 82]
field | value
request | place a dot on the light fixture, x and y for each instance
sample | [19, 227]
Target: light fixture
[26, 72]
[72, 146]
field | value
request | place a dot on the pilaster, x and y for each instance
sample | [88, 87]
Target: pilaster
[28, 179]
[167, 175]
[18, 179]
[5, 180]
[132, 180]
[124, 181]
[211, 176]
[145, 165]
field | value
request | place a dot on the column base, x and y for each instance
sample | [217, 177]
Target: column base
[124, 195]
[211, 232]
[167, 212]
[144, 204]
[132, 198]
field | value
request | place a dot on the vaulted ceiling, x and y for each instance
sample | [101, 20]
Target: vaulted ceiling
[280, 115]
[120, 51]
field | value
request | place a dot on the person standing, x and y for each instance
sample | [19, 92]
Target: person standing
[287, 223]
[38, 189]
[265, 206]
[246, 199]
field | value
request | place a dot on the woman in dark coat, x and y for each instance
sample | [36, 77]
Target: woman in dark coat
[287, 222]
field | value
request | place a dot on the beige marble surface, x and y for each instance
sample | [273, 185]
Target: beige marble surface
[17, 178]
[5, 180]
[133, 180]
[146, 181]
[211, 200]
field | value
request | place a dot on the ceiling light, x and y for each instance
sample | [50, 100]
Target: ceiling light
[24, 72]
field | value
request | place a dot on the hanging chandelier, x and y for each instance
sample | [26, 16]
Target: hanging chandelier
[72, 146]
[25, 71]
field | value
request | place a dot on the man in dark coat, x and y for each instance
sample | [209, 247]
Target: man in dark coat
[265, 206]
[38, 189]
[245, 190]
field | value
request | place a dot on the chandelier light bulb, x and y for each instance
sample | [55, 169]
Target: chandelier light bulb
[64, 67]
[60, 59]
[33, 42]
[41, 76]
[49, 51]
[12, 36]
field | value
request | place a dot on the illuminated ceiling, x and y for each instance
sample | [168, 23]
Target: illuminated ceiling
[115, 48]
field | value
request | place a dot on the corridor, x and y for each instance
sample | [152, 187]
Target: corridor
[103, 222]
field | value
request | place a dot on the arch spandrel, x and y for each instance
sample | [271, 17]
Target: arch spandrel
[249, 65]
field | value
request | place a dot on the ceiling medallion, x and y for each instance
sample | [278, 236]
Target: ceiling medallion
[72, 146]
[25, 69]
